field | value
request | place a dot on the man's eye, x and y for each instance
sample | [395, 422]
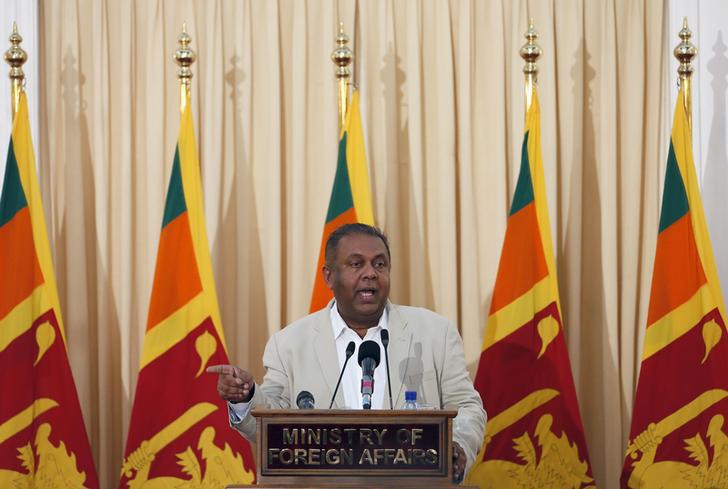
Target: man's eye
[355, 264]
[380, 265]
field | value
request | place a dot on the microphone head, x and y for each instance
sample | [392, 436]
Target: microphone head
[304, 400]
[350, 349]
[369, 349]
[384, 334]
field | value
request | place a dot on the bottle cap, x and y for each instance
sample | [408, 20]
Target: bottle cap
[410, 395]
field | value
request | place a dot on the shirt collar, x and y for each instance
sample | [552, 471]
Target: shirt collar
[339, 325]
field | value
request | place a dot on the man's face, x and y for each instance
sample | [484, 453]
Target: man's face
[359, 279]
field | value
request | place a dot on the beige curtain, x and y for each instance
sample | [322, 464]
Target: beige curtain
[442, 103]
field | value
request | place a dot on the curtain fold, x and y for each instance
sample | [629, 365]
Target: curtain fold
[442, 108]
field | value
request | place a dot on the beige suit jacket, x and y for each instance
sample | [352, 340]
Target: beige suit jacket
[425, 355]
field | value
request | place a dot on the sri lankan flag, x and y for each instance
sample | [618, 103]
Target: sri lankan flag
[678, 437]
[351, 199]
[43, 440]
[534, 437]
[179, 432]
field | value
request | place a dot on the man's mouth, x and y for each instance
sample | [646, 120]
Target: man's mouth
[366, 294]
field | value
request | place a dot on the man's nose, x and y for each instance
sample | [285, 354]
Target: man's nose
[370, 271]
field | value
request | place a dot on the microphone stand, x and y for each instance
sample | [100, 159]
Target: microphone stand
[349, 352]
[385, 342]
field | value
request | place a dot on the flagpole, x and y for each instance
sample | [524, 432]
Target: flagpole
[184, 56]
[15, 56]
[685, 52]
[530, 52]
[342, 56]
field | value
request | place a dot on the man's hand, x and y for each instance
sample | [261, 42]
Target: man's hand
[233, 384]
[458, 462]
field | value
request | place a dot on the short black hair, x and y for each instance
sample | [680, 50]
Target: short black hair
[348, 229]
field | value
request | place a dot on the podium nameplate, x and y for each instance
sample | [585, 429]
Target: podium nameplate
[354, 445]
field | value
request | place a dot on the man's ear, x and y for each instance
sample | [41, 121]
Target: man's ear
[328, 275]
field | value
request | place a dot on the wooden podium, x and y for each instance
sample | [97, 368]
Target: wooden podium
[353, 448]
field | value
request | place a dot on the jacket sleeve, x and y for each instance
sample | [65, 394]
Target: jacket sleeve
[458, 393]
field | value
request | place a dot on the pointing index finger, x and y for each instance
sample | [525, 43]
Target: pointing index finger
[220, 369]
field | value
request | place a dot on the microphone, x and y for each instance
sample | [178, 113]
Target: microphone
[369, 353]
[349, 352]
[304, 400]
[384, 334]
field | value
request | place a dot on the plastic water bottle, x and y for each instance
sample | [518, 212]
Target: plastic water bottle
[410, 400]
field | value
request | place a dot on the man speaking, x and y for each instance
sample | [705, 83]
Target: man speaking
[311, 355]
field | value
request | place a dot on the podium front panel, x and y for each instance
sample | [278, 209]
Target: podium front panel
[351, 445]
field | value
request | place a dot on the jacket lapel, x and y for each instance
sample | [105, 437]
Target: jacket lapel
[400, 340]
[328, 359]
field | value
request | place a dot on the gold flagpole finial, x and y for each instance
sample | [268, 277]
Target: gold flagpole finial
[16, 57]
[530, 52]
[342, 57]
[184, 56]
[685, 52]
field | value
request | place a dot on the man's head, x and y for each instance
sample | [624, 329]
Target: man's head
[357, 271]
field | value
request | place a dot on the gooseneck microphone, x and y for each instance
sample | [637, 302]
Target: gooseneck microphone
[304, 400]
[384, 334]
[369, 354]
[349, 352]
